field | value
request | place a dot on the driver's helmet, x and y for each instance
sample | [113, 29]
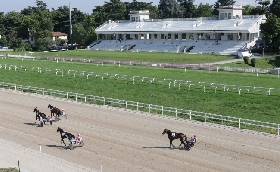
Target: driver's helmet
[78, 135]
[62, 109]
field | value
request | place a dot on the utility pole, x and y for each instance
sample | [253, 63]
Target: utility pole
[70, 25]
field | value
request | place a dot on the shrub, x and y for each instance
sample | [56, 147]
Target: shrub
[253, 62]
[246, 60]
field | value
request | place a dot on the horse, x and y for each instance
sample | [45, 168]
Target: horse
[173, 135]
[64, 135]
[54, 110]
[39, 114]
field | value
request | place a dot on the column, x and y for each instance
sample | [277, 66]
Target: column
[158, 36]
[172, 36]
[180, 36]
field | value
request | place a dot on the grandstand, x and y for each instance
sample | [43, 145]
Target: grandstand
[225, 34]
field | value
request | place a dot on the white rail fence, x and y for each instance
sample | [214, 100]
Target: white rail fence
[163, 65]
[180, 84]
[240, 123]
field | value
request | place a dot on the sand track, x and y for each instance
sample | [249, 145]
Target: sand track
[121, 140]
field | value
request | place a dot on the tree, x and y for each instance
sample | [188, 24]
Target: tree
[136, 6]
[79, 34]
[271, 28]
[204, 10]
[188, 9]
[275, 7]
[222, 3]
[169, 9]
[115, 10]
[43, 40]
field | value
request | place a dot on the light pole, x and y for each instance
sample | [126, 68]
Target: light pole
[70, 23]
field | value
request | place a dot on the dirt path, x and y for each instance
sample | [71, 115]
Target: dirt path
[118, 140]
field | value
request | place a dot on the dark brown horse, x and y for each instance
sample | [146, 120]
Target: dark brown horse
[39, 114]
[64, 135]
[173, 135]
[54, 110]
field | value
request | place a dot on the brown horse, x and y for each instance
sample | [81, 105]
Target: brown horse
[54, 110]
[173, 135]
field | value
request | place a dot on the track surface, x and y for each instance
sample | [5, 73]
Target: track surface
[118, 140]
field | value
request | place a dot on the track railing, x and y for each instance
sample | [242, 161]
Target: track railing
[240, 123]
[180, 84]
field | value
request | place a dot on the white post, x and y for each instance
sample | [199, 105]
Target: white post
[217, 69]
[57, 60]
[161, 110]
[239, 123]
[190, 115]
[278, 129]
[119, 64]
[125, 105]
[185, 69]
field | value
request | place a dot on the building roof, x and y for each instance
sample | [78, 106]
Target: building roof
[54, 34]
[177, 25]
[59, 34]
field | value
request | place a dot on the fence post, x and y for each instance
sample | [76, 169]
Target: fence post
[222, 119]
[67, 95]
[76, 97]
[149, 108]
[278, 129]
[204, 117]
[176, 112]
[85, 98]
[125, 105]
[239, 123]
[190, 115]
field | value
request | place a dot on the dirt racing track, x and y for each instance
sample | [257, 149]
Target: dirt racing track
[119, 140]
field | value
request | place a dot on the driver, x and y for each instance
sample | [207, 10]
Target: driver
[194, 139]
[79, 138]
[62, 112]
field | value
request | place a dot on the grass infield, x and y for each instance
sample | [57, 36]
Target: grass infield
[251, 105]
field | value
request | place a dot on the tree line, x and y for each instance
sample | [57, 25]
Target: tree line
[41, 21]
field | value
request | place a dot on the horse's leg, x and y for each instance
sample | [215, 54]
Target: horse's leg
[171, 144]
[63, 141]
[182, 142]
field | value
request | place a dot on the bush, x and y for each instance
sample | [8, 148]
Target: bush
[253, 62]
[246, 60]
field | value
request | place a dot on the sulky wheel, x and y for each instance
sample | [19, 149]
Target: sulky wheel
[71, 147]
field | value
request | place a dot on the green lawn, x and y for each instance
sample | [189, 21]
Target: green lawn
[252, 105]
[131, 56]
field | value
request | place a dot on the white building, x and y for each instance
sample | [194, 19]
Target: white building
[225, 34]
[55, 35]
